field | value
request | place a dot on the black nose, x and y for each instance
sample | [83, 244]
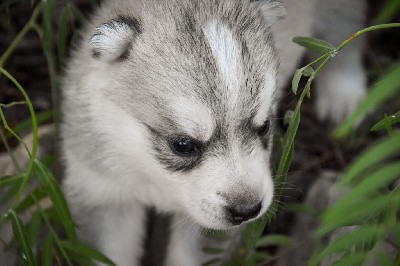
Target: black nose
[241, 213]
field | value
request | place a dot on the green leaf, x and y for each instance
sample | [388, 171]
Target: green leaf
[12, 191]
[387, 12]
[316, 45]
[62, 35]
[213, 251]
[380, 178]
[21, 238]
[384, 89]
[380, 151]
[349, 214]
[301, 208]
[287, 153]
[33, 228]
[396, 233]
[262, 257]
[273, 240]
[217, 235]
[6, 181]
[392, 119]
[308, 71]
[47, 253]
[29, 201]
[296, 79]
[349, 240]
[53, 190]
[353, 259]
[85, 251]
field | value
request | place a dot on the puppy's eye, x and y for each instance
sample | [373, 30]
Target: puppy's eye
[185, 147]
[264, 129]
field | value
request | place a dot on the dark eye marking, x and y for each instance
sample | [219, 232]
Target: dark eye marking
[264, 129]
[185, 146]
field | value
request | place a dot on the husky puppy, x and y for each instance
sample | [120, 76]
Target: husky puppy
[172, 104]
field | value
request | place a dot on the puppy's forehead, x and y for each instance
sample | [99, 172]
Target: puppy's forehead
[217, 54]
[226, 51]
[194, 117]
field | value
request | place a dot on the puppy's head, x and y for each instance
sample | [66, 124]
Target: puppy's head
[198, 78]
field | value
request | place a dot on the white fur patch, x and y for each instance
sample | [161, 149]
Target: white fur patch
[195, 118]
[226, 51]
[109, 39]
[266, 98]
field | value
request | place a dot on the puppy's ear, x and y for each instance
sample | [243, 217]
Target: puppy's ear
[112, 41]
[272, 10]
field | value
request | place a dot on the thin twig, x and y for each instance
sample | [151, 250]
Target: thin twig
[21, 35]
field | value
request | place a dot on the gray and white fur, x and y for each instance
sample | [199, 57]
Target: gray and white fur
[172, 104]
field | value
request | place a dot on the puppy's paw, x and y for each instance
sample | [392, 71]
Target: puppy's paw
[339, 91]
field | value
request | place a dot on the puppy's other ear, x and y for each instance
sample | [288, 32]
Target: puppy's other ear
[112, 41]
[272, 10]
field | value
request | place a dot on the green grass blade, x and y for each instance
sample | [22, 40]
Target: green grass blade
[387, 12]
[392, 119]
[6, 181]
[82, 250]
[273, 240]
[53, 190]
[10, 194]
[217, 235]
[21, 238]
[29, 201]
[33, 228]
[378, 152]
[47, 253]
[347, 241]
[384, 89]
[62, 35]
[349, 214]
[378, 179]
[213, 251]
[352, 259]
[287, 152]
[321, 47]
[262, 257]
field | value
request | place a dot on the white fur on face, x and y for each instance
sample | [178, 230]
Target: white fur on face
[195, 118]
[266, 98]
[226, 51]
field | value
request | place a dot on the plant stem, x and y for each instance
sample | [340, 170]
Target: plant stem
[363, 31]
[51, 229]
[9, 151]
[28, 26]
[11, 104]
[7, 127]
[34, 132]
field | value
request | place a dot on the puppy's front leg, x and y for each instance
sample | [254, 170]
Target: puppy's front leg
[121, 230]
[184, 247]
[189, 239]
